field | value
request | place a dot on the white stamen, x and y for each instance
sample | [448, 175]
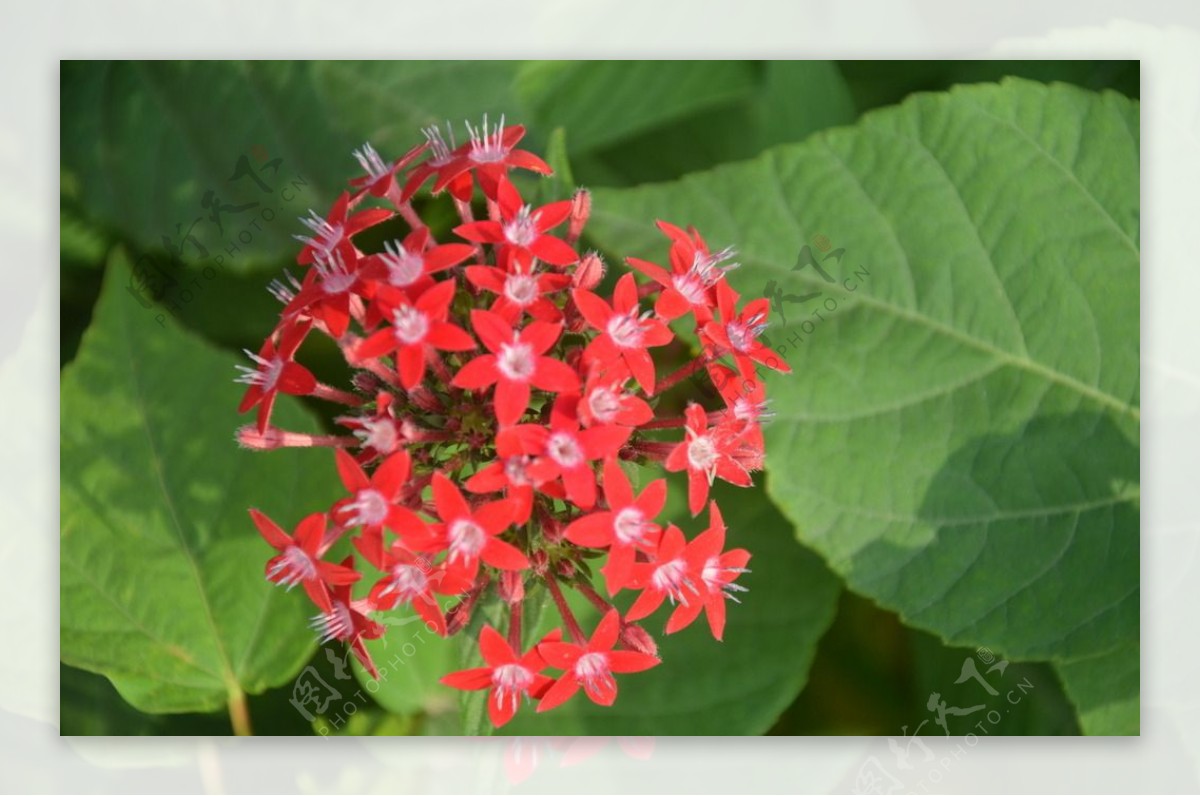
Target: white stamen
[408, 581]
[564, 449]
[284, 293]
[521, 289]
[671, 578]
[371, 162]
[326, 236]
[516, 361]
[604, 403]
[265, 375]
[441, 153]
[626, 331]
[294, 565]
[369, 507]
[487, 144]
[404, 267]
[337, 624]
[467, 538]
[630, 525]
[409, 325]
[702, 454]
[335, 276]
[379, 434]
[522, 230]
[593, 672]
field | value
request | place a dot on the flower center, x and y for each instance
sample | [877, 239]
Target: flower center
[335, 276]
[522, 230]
[516, 361]
[487, 145]
[625, 331]
[690, 287]
[521, 289]
[512, 677]
[379, 434]
[441, 153]
[293, 566]
[466, 539]
[604, 403]
[629, 525]
[408, 581]
[514, 470]
[671, 578]
[370, 161]
[410, 325]
[265, 375]
[369, 507]
[325, 238]
[404, 267]
[337, 624]
[702, 453]
[564, 450]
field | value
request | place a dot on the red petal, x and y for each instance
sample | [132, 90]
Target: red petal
[429, 610]
[336, 574]
[716, 615]
[296, 379]
[448, 500]
[594, 530]
[617, 490]
[492, 329]
[560, 654]
[653, 498]
[501, 710]
[625, 294]
[481, 232]
[495, 517]
[502, 555]
[550, 216]
[601, 442]
[275, 536]
[469, 679]
[553, 251]
[478, 374]
[697, 491]
[541, 336]
[352, 475]
[655, 272]
[512, 397]
[391, 475]
[562, 690]
[628, 661]
[494, 648]
[606, 632]
[671, 304]
[581, 486]
[410, 364]
[594, 309]
[619, 569]
[310, 533]
[552, 375]
[641, 366]
[440, 258]
[378, 344]
[436, 300]
[685, 614]
[646, 604]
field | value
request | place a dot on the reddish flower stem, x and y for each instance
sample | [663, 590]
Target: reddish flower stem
[679, 375]
[649, 289]
[274, 438]
[593, 596]
[569, 620]
[327, 393]
[514, 626]
[664, 422]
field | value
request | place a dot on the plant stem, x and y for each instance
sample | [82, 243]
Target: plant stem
[514, 627]
[239, 713]
[564, 610]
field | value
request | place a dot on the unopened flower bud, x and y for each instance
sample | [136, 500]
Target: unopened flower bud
[637, 639]
[589, 272]
[512, 587]
[581, 208]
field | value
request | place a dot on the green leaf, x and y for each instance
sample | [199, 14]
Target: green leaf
[705, 687]
[960, 437]
[162, 582]
[1105, 690]
[602, 102]
[410, 658]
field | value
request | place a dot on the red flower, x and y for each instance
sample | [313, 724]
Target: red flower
[738, 333]
[327, 290]
[624, 333]
[517, 361]
[591, 665]
[407, 265]
[333, 233]
[519, 288]
[714, 573]
[704, 453]
[372, 503]
[471, 535]
[299, 559]
[380, 434]
[346, 620]
[564, 450]
[523, 227]
[511, 475]
[380, 176]
[276, 373]
[490, 154]
[416, 328]
[694, 270]
[626, 527]
[410, 580]
[606, 402]
[508, 676]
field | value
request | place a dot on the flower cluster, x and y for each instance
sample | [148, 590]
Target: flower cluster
[496, 394]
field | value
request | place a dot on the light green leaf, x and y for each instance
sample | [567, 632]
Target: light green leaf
[410, 658]
[162, 582]
[1105, 690]
[703, 686]
[602, 102]
[960, 437]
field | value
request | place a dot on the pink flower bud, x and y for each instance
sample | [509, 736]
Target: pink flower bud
[589, 272]
[637, 639]
[512, 587]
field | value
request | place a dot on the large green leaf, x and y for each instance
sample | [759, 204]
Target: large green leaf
[960, 440]
[705, 687]
[162, 571]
